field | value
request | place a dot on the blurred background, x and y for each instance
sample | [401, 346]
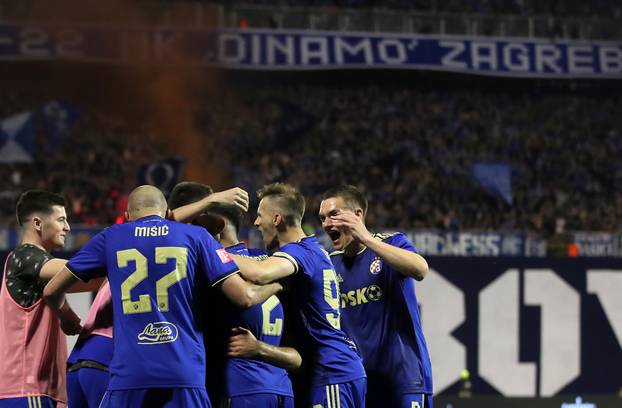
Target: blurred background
[489, 131]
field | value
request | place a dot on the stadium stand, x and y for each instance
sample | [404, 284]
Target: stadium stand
[415, 147]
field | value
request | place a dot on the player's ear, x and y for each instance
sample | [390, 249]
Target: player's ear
[168, 214]
[127, 215]
[359, 213]
[279, 222]
[37, 223]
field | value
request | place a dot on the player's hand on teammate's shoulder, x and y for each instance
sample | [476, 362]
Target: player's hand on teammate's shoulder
[242, 344]
[235, 196]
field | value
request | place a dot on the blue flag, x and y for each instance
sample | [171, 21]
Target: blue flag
[56, 117]
[17, 138]
[495, 177]
[163, 174]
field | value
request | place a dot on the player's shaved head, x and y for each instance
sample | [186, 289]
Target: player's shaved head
[146, 200]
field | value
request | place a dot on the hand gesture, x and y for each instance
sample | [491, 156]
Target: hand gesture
[243, 344]
[350, 223]
[234, 196]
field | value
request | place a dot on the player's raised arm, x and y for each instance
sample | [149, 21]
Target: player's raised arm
[406, 262]
[234, 196]
[247, 294]
[243, 344]
[262, 272]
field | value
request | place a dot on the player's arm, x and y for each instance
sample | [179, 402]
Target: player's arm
[406, 262]
[247, 294]
[266, 271]
[52, 267]
[243, 344]
[54, 296]
[235, 196]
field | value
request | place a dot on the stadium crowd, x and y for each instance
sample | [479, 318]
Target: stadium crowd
[410, 149]
[94, 166]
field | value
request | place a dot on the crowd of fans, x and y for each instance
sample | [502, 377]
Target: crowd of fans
[93, 165]
[410, 149]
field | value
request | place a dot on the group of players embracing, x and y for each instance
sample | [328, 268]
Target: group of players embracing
[183, 307]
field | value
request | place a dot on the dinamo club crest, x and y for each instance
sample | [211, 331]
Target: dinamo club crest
[375, 266]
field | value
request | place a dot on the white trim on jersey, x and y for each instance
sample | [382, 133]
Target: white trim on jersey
[332, 396]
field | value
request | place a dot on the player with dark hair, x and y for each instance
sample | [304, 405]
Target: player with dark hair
[383, 321]
[157, 271]
[187, 192]
[255, 373]
[338, 377]
[189, 199]
[33, 350]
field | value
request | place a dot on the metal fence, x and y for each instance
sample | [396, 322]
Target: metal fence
[381, 20]
[196, 14]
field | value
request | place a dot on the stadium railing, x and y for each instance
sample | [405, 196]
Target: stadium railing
[196, 14]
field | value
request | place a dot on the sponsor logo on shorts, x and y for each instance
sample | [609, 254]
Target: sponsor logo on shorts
[158, 333]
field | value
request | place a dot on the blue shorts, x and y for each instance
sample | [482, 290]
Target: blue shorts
[86, 387]
[416, 401]
[156, 398]
[28, 402]
[345, 395]
[259, 401]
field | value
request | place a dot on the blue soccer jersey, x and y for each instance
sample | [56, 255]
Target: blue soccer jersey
[317, 295]
[157, 271]
[379, 311]
[265, 321]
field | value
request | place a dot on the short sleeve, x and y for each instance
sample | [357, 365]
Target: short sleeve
[214, 261]
[294, 253]
[23, 267]
[90, 261]
[25, 263]
[401, 241]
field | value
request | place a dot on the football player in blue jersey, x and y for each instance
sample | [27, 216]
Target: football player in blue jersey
[338, 378]
[377, 274]
[87, 365]
[255, 373]
[157, 269]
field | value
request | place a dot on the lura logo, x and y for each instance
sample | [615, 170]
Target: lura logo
[158, 333]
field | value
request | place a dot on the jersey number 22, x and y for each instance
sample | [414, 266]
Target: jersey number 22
[162, 255]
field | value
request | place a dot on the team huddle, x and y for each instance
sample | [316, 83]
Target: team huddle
[183, 307]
